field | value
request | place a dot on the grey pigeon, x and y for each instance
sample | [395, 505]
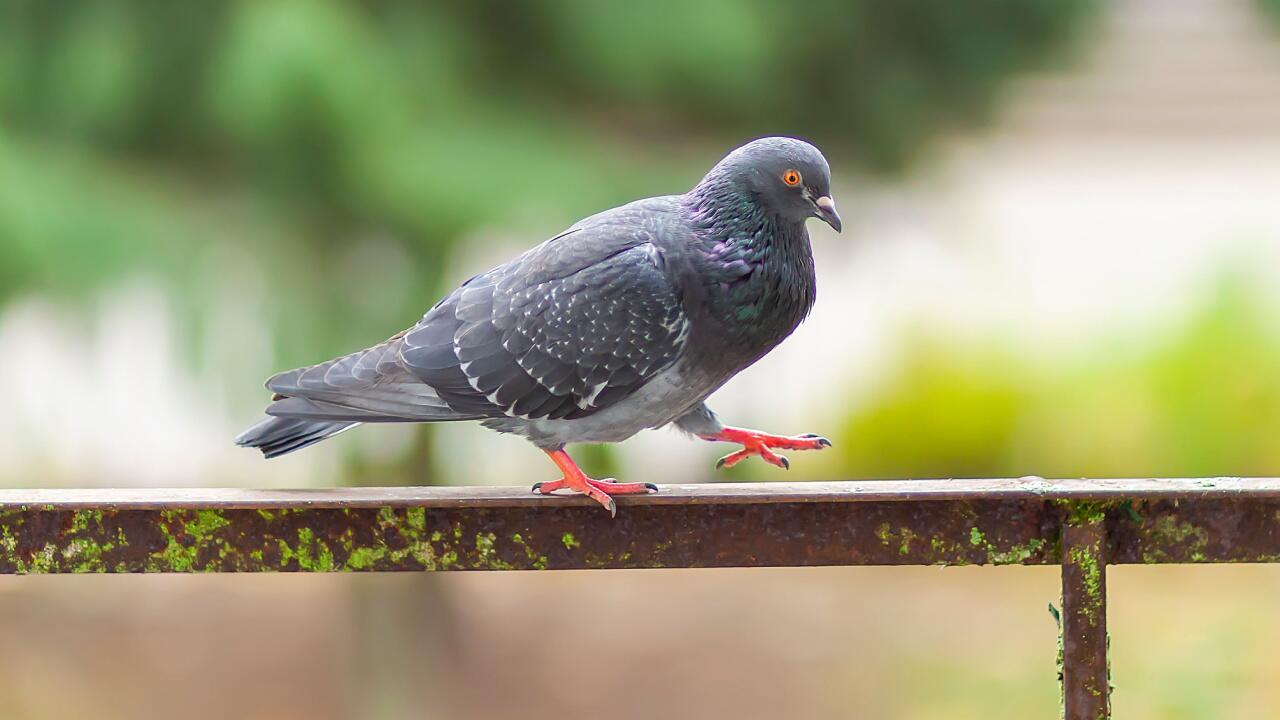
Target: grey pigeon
[627, 320]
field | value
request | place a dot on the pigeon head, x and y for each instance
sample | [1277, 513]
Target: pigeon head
[785, 177]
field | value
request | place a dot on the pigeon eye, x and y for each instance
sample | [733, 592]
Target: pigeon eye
[791, 178]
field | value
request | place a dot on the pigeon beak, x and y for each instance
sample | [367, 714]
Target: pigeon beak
[827, 212]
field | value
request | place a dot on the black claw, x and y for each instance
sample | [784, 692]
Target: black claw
[536, 487]
[786, 464]
[720, 463]
[824, 442]
[651, 487]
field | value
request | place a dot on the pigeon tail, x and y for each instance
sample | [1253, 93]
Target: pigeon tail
[276, 436]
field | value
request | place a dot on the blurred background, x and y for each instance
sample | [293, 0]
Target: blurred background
[1061, 257]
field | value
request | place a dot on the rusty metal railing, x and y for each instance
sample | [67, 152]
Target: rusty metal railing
[1083, 525]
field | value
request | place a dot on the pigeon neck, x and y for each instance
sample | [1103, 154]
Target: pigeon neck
[756, 271]
[724, 212]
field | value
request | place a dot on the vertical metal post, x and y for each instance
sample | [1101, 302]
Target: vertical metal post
[1085, 675]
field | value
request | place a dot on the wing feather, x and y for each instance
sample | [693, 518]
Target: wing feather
[567, 329]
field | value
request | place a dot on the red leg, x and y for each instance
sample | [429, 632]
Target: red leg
[763, 444]
[573, 478]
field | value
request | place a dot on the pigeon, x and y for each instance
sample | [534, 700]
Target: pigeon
[627, 320]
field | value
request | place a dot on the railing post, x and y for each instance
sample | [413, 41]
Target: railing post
[1085, 673]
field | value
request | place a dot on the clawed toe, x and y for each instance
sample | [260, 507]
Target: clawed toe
[600, 491]
[546, 488]
[733, 458]
[762, 444]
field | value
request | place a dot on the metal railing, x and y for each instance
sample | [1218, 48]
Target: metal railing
[1082, 525]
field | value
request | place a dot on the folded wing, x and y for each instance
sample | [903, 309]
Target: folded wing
[537, 339]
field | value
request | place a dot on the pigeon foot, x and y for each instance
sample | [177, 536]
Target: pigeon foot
[762, 444]
[599, 490]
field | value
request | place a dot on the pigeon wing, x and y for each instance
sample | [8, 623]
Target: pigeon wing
[567, 329]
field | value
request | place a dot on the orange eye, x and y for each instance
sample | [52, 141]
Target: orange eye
[791, 178]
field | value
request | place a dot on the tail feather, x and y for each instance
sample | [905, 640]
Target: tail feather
[320, 401]
[276, 436]
[306, 408]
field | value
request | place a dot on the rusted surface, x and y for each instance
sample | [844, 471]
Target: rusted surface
[1214, 529]
[1027, 488]
[786, 524]
[44, 539]
[1085, 673]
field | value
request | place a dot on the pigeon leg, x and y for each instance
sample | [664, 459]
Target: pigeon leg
[763, 444]
[573, 478]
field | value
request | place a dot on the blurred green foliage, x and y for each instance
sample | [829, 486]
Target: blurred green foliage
[1204, 401]
[140, 137]
[340, 152]
[1271, 7]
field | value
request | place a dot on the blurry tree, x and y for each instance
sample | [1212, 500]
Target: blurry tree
[876, 79]
[422, 121]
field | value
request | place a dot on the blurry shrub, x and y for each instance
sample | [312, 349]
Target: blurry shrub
[1272, 8]
[947, 411]
[1215, 390]
[1206, 401]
